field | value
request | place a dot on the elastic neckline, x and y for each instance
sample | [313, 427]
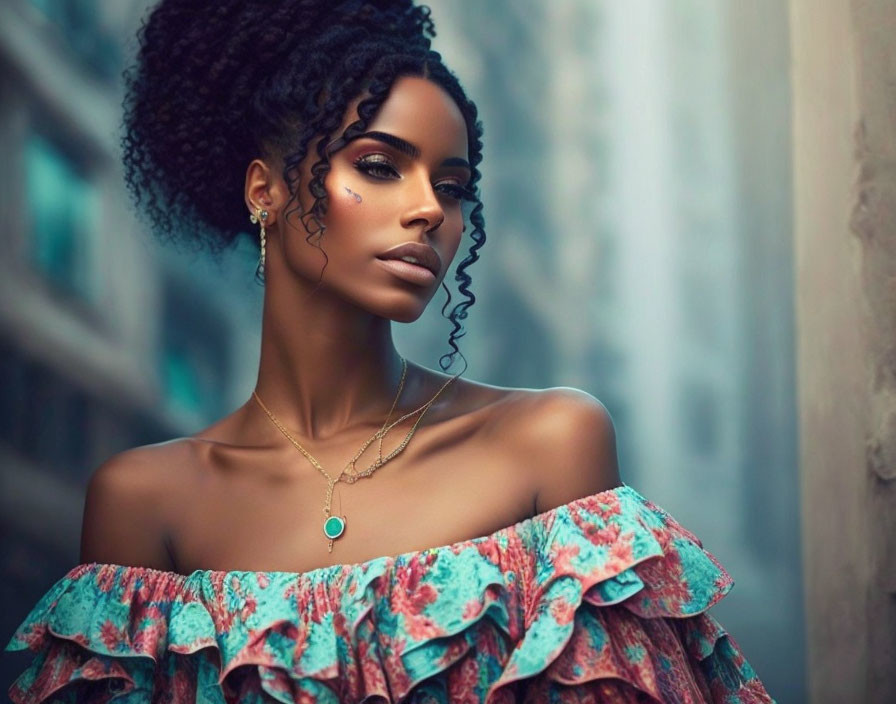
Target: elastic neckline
[544, 516]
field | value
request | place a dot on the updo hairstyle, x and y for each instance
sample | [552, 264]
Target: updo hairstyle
[218, 83]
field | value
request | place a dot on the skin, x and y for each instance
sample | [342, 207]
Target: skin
[239, 496]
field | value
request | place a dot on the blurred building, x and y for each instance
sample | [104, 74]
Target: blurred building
[107, 341]
[637, 185]
[637, 192]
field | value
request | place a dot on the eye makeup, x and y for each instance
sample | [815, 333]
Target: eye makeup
[452, 190]
[379, 167]
[376, 165]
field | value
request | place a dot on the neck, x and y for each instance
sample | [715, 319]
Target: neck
[325, 365]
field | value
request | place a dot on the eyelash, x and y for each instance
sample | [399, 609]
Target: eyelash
[382, 169]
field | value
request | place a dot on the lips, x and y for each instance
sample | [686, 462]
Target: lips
[416, 254]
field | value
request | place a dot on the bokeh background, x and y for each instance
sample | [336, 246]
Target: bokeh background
[637, 186]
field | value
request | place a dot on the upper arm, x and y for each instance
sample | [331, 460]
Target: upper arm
[572, 447]
[121, 522]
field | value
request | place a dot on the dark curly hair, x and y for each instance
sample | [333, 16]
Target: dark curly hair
[218, 83]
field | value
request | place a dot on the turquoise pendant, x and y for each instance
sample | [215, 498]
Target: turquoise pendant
[334, 526]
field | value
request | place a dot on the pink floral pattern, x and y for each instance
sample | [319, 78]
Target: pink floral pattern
[602, 599]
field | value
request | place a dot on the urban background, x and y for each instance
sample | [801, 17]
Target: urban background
[637, 186]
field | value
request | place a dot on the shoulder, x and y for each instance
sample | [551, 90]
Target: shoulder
[567, 440]
[125, 507]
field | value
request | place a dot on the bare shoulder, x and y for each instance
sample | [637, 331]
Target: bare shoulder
[567, 439]
[125, 507]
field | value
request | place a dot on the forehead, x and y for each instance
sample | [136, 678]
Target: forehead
[422, 113]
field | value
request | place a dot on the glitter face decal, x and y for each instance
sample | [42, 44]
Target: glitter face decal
[356, 196]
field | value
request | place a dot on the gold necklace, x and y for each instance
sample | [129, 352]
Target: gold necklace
[334, 526]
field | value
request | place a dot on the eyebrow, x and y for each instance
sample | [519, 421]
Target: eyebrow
[406, 147]
[457, 161]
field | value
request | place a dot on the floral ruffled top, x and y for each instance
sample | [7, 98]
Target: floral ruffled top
[603, 599]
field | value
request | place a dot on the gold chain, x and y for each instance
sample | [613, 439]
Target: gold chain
[349, 473]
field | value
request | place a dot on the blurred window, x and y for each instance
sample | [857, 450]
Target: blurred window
[62, 207]
[48, 419]
[43, 416]
[194, 359]
[79, 23]
[701, 304]
[700, 416]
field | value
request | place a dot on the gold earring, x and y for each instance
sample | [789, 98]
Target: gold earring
[260, 216]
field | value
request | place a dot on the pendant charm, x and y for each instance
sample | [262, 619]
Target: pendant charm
[334, 526]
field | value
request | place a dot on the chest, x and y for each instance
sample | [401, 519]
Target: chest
[274, 522]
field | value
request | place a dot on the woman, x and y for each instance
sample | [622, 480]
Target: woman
[362, 528]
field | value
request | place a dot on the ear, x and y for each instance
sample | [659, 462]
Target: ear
[264, 190]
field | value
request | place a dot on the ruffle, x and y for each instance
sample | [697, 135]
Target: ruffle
[601, 599]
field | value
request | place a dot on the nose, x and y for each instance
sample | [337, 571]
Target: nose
[423, 206]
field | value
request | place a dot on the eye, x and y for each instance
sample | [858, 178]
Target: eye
[454, 191]
[376, 166]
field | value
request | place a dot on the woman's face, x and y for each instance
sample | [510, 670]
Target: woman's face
[394, 220]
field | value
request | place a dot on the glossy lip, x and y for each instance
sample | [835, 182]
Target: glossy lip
[425, 255]
[412, 273]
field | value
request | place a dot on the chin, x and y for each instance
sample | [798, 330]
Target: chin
[402, 308]
[399, 303]
[405, 314]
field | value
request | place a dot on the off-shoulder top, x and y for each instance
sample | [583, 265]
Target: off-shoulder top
[603, 599]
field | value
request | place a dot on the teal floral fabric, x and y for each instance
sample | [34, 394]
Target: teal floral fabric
[603, 599]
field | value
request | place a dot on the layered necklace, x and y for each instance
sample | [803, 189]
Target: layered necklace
[334, 526]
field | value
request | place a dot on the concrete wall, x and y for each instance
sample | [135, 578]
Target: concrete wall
[845, 241]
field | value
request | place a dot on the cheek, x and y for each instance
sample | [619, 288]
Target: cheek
[358, 212]
[348, 208]
[347, 196]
